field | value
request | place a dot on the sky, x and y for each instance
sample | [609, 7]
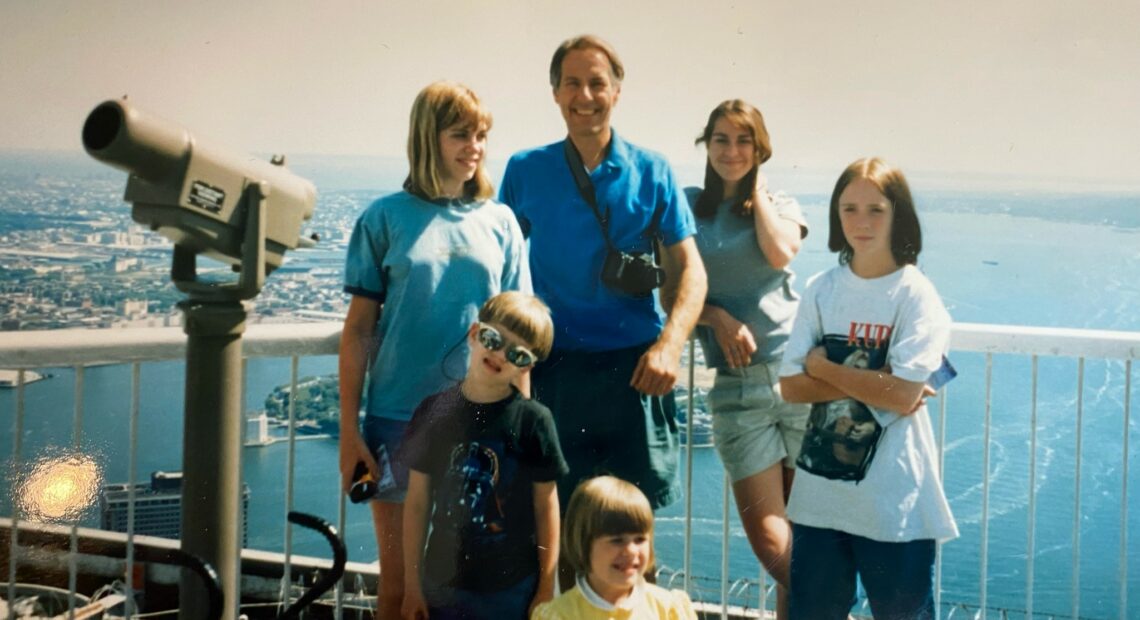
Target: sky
[1044, 91]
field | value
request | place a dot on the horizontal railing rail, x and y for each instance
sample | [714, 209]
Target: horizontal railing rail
[27, 351]
[84, 347]
[72, 347]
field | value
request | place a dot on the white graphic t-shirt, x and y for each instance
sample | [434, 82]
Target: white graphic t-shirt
[899, 497]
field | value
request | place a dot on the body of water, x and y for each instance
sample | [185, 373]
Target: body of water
[992, 263]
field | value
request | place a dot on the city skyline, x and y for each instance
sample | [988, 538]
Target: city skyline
[1040, 91]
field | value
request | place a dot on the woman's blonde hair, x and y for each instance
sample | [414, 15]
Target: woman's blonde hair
[603, 506]
[439, 106]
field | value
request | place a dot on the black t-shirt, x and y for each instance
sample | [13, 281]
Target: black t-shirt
[483, 459]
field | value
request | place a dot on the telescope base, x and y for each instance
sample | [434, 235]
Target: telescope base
[211, 451]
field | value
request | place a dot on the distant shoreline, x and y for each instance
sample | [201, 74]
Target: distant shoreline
[9, 379]
[386, 173]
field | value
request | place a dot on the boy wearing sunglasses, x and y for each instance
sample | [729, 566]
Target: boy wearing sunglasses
[483, 461]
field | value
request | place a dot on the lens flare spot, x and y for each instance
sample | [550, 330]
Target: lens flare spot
[60, 488]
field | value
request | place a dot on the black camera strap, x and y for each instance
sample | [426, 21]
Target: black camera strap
[586, 189]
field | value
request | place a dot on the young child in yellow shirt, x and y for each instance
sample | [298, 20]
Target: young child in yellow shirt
[607, 539]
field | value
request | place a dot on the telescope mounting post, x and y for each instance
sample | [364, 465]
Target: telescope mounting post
[211, 450]
[215, 315]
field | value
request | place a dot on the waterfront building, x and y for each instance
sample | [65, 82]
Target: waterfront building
[158, 506]
[257, 429]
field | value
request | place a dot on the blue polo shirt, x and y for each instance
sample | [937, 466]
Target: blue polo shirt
[566, 246]
[432, 265]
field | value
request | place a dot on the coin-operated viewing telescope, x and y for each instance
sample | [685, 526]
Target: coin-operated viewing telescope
[231, 207]
[244, 212]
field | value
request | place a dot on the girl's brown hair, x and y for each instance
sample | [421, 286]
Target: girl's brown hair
[746, 116]
[906, 234]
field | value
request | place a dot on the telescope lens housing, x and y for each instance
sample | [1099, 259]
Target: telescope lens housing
[101, 127]
[207, 200]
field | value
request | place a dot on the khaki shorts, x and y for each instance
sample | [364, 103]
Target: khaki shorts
[753, 428]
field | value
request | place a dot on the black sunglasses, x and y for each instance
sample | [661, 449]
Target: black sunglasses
[492, 340]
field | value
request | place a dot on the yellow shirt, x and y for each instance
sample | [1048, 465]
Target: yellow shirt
[647, 602]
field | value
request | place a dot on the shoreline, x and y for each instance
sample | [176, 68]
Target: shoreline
[9, 379]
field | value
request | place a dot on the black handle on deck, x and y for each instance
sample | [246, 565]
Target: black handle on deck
[202, 568]
[328, 580]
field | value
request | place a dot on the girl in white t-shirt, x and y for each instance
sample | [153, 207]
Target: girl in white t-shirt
[868, 498]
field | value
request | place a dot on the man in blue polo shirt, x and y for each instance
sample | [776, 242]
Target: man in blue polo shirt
[616, 356]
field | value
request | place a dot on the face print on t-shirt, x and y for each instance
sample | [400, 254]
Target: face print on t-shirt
[841, 435]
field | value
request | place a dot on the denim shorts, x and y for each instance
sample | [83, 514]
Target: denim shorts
[383, 437]
[607, 427]
[753, 428]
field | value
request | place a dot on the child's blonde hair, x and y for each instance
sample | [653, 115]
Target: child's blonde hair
[525, 315]
[603, 506]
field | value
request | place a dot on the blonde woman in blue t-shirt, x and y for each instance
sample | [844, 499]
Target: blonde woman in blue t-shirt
[747, 237]
[420, 264]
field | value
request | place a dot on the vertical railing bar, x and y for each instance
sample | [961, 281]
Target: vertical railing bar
[341, 520]
[338, 613]
[244, 434]
[132, 463]
[941, 473]
[287, 576]
[73, 538]
[1124, 492]
[942, 431]
[1031, 526]
[723, 546]
[1077, 492]
[985, 524]
[687, 562]
[763, 581]
[14, 534]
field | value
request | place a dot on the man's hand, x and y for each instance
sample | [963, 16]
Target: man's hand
[684, 296]
[657, 370]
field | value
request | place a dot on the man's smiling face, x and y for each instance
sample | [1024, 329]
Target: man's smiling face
[587, 93]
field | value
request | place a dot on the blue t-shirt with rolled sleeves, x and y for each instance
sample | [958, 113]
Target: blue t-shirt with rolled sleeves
[638, 189]
[432, 264]
[742, 282]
